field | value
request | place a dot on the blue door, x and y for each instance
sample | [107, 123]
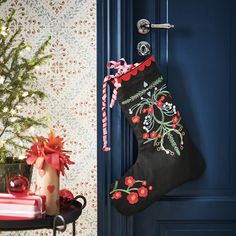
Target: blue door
[198, 58]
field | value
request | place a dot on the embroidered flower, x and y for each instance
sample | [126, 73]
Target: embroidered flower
[150, 110]
[162, 98]
[153, 134]
[134, 190]
[145, 136]
[132, 198]
[136, 119]
[159, 104]
[175, 119]
[129, 181]
[160, 119]
[117, 195]
[142, 192]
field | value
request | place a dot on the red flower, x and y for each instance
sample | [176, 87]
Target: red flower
[145, 136]
[144, 110]
[159, 104]
[150, 187]
[136, 119]
[162, 98]
[142, 192]
[144, 183]
[150, 110]
[117, 195]
[49, 150]
[175, 119]
[130, 181]
[132, 198]
[153, 134]
[159, 135]
[174, 126]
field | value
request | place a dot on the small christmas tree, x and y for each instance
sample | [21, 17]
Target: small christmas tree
[16, 90]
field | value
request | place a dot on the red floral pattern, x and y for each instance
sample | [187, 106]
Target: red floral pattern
[135, 189]
[132, 198]
[143, 192]
[160, 119]
[117, 195]
[130, 181]
[136, 119]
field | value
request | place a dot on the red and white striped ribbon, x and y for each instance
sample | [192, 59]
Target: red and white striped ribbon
[122, 67]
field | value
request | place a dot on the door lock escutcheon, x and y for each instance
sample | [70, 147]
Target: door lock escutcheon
[144, 26]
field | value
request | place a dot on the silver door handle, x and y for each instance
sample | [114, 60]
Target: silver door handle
[144, 26]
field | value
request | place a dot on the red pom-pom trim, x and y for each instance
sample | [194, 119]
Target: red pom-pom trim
[127, 76]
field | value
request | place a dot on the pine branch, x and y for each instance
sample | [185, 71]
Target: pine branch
[16, 76]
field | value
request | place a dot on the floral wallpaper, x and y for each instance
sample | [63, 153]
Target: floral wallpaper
[69, 79]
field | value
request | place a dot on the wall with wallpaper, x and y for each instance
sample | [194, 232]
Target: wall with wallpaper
[70, 82]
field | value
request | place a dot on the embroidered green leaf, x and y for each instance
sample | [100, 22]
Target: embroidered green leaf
[142, 92]
[173, 143]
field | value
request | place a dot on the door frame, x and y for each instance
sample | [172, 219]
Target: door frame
[113, 36]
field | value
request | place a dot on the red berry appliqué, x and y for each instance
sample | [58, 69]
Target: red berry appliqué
[129, 181]
[142, 192]
[145, 136]
[175, 119]
[135, 189]
[153, 134]
[132, 198]
[136, 119]
[159, 104]
[117, 195]
[150, 110]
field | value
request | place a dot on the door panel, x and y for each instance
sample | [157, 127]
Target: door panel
[197, 58]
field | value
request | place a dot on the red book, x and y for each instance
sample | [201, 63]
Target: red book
[21, 207]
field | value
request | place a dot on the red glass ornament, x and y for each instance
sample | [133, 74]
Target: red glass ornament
[66, 198]
[18, 185]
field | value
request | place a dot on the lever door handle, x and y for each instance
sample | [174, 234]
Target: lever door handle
[144, 26]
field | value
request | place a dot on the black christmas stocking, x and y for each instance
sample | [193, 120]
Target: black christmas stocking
[167, 157]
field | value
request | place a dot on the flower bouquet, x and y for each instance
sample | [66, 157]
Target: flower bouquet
[49, 159]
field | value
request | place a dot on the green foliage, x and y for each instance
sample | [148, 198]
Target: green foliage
[16, 89]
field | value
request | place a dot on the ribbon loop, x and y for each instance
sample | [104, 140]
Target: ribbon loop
[122, 67]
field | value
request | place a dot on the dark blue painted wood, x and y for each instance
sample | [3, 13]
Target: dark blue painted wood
[114, 40]
[198, 60]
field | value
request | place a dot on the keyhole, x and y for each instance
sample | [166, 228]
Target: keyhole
[144, 48]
